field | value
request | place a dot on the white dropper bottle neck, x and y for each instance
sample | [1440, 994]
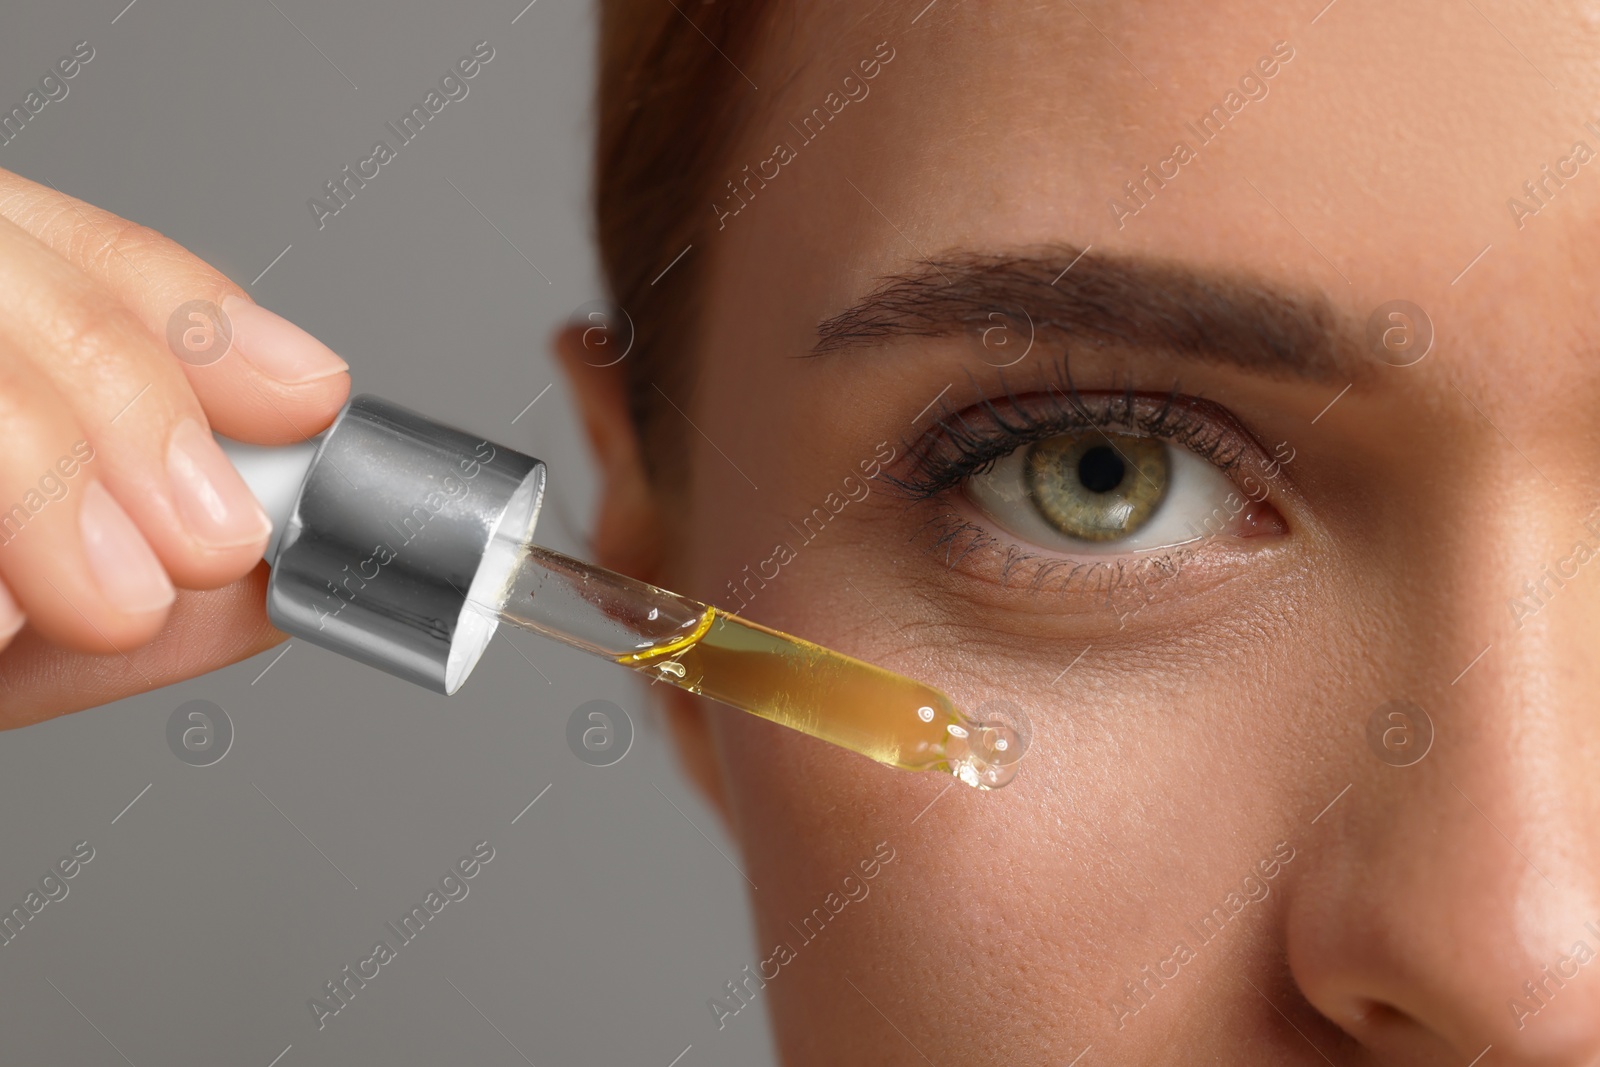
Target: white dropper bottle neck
[274, 474]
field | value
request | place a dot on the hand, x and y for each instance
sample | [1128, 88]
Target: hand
[130, 551]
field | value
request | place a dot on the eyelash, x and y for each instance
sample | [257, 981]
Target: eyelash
[966, 443]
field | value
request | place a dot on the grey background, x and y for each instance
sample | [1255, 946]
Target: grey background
[206, 920]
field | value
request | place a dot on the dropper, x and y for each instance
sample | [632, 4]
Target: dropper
[831, 696]
[402, 543]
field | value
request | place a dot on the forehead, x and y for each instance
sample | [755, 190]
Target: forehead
[1377, 153]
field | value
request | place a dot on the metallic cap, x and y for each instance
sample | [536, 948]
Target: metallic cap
[399, 524]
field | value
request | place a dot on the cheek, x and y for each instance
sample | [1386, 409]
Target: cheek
[983, 889]
[1046, 877]
[976, 876]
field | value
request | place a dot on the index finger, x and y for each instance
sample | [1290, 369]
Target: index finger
[259, 377]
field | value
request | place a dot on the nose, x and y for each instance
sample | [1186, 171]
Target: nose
[1438, 942]
[1451, 908]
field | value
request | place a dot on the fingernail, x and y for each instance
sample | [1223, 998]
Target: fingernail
[129, 574]
[216, 505]
[11, 616]
[277, 347]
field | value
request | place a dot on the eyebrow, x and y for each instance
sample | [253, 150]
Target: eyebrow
[1197, 313]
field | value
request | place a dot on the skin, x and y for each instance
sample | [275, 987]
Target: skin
[1177, 750]
[1227, 717]
[86, 373]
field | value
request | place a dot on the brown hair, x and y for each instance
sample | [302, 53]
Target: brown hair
[668, 107]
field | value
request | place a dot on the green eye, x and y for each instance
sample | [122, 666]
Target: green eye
[1097, 486]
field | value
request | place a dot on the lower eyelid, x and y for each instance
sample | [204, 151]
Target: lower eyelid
[963, 543]
[956, 534]
[1045, 598]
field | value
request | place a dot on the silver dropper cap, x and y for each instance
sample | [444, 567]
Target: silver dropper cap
[400, 523]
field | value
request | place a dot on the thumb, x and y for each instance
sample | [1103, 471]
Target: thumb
[205, 630]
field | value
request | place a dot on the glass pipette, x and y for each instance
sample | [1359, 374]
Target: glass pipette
[705, 650]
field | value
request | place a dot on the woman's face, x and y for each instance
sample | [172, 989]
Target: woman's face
[1222, 845]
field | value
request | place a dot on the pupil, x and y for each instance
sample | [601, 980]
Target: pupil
[1100, 469]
